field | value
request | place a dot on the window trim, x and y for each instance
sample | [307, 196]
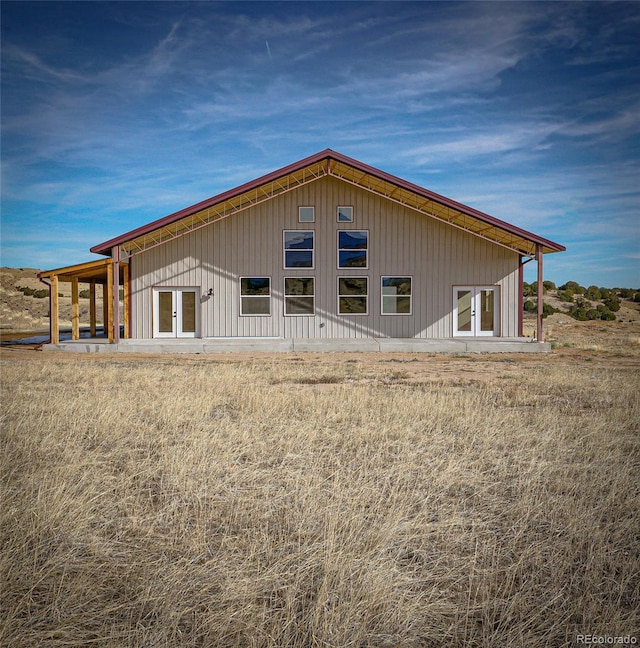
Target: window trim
[382, 295]
[270, 313]
[286, 296]
[313, 213]
[366, 296]
[339, 249]
[312, 250]
[338, 208]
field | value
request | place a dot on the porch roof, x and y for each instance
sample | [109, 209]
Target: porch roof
[89, 272]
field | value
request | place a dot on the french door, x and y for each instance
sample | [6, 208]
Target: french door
[176, 312]
[475, 310]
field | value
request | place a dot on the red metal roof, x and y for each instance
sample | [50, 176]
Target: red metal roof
[328, 154]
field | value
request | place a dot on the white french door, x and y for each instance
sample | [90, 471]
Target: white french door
[176, 312]
[475, 310]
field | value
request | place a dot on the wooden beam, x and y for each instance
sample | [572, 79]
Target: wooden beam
[109, 304]
[54, 315]
[105, 306]
[92, 309]
[125, 286]
[540, 293]
[115, 266]
[75, 309]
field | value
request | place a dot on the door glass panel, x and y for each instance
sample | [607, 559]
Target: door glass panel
[188, 312]
[165, 312]
[464, 310]
[486, 310]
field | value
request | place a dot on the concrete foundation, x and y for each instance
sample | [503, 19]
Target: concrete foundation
[292, 345]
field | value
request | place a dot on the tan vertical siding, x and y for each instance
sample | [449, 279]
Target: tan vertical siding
[401, 242]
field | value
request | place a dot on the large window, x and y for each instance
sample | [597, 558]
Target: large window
[298, 248]
[255, 296]
[396, 296]
[299, 296]
[353, 248]
[353, 295]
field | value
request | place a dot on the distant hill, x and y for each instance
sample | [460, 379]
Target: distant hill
[21, 311]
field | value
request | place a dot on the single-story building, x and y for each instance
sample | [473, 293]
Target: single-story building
[325, 248]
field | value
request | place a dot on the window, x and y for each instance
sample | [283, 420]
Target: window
[396, 296]
[255, 296]
[298, 249]
[299, 296]
[353, 295]
[352, 248]
[345, 214]
[306, 215]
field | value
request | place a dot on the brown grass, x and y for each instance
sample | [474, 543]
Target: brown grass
[306, 502]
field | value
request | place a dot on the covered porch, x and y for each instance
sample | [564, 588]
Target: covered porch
[104, 272]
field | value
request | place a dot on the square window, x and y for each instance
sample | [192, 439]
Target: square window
[306, 214]
[353, 295]
[353, 248]
[299, 296]
[255, 296]
[345, 214]
[396, 296]
[298, 249]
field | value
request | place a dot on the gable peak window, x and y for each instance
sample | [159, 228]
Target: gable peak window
[345, 214]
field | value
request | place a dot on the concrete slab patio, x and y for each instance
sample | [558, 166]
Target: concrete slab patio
[295, 345]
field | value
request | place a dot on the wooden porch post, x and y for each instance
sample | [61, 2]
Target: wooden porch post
[54, 315]
[115, 265]
[92, 309]
[108, 322]
[125, 286]
[75, 310]
[105, 306]
[540, 293]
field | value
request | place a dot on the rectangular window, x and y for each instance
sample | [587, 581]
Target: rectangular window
[396, 296]
[299, 296]
[353, 247]
[353, 295]
[255, 296]
[306, 215]
[298, 249]
[345, 214]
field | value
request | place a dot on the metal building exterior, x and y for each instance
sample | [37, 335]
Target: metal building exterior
[327, 247]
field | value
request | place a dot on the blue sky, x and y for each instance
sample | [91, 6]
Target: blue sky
[118, 113]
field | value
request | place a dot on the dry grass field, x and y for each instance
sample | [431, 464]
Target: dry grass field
[315, 501]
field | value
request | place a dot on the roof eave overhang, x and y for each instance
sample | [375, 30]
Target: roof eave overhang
[313, 168]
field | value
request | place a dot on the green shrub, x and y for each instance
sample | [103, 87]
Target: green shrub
[84, 294]
[548, 285]
[636, 297]
[527, 289]
[593, 293]
[530, 306]
[625, 293]
[607, 315]
[574, 287]
[612, 304]
[548, 309]
[593, 314]
[579, 313]
[34, 292]
[565, 296]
